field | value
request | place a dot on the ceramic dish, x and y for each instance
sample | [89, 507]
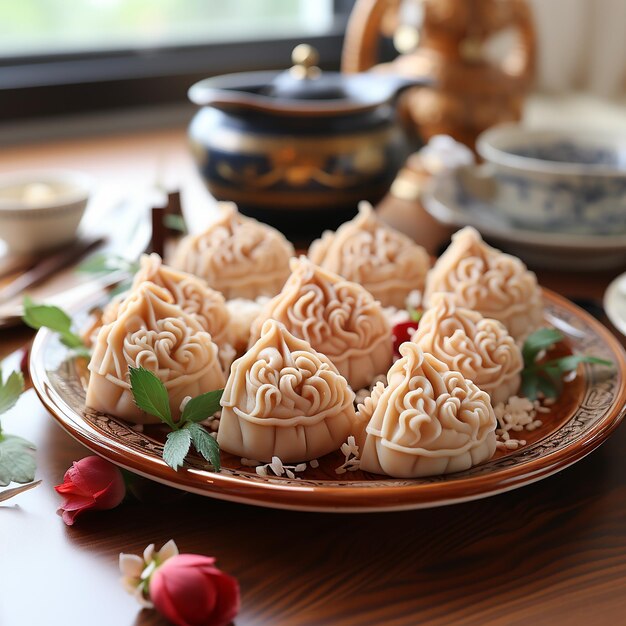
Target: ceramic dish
[451, 204]
[568, 181]
[589, 409]
[41, 210]
[67, 287]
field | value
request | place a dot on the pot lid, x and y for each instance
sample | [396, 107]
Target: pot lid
[305, 80]
[301, 90]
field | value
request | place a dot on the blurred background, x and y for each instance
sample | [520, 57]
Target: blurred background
[59, 58]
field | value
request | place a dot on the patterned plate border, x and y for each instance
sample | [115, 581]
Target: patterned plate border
[601, 410]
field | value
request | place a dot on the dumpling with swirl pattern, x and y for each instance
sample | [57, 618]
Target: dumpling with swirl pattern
[427, 420]
[337, 317]
[367, 251]
[154, 333]
[478, 347]
[191, 293]
[284, 399]
[237, 255]
[483, 279]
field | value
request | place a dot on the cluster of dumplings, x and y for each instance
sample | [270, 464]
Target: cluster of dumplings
[291, 339]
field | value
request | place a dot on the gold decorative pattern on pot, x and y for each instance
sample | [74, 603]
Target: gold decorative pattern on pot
[298, 169]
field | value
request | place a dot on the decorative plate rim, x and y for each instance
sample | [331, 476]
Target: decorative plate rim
[283, 494]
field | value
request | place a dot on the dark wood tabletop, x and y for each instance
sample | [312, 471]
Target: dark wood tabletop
[550, 553]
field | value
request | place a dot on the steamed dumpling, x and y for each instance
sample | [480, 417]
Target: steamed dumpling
[337, 317]
[154, 333]
[483, 279]
[190, 293]
[284, 399]
[237, 255]
[428, 420]
[478, 347]
[367, 251]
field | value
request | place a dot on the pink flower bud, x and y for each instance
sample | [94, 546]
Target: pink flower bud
[189, 591]
[90, 484]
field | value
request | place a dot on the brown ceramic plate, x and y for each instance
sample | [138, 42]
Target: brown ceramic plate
[588, 411]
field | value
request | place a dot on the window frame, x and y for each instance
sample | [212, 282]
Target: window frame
[39, 86]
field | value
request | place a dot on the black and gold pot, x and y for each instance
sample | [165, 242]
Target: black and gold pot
[299, 149]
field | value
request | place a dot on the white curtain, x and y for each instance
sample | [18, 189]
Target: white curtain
[581, 45]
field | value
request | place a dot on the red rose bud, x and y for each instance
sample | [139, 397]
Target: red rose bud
[402, 332]
[90, 484]
[189, 591]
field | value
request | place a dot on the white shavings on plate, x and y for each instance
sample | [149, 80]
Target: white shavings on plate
[517, 415]
[250, 462]
[352, 461]
[314, 463]
[278, 468]
[184, 402]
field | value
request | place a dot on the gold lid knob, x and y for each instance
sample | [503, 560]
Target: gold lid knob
[305, 59]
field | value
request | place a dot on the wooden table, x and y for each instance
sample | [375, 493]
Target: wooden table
[550, 553]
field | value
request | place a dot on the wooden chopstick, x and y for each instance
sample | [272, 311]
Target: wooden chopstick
[49, 266]
[160, 231]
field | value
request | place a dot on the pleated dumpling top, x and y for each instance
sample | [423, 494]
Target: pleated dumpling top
[427, 420]
[154, 333]
[337, 317]
[237, 255]
[483, 279]
[367, 251]
[284, 399]
[189, 292]
[478, 347]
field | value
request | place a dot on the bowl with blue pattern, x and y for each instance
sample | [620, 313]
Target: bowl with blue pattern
[568, 181]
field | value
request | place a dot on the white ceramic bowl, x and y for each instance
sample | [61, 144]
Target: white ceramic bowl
[557, 181]
[41, 210]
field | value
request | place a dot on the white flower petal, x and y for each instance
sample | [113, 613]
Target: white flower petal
[131, 565]
[148, 553]
[143, 601]
[168, 550]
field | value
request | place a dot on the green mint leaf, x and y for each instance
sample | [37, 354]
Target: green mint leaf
[206, 445]
[569, 363]
[150, 394]
[177, 447]
[175, 222]
[106, 263]
[47, 316]
[541, 339]
[10, 390]
[203, 406]
[17, 461]
[415, 315]
[530, 385]
[43, 315]
[547, 387]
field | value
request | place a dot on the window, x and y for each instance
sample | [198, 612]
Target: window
[59, 26]
[64, 56]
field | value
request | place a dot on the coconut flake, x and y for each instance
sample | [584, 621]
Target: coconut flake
[352, 461]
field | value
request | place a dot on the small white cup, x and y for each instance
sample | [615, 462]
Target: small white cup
[555, 180]
[41, 209]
